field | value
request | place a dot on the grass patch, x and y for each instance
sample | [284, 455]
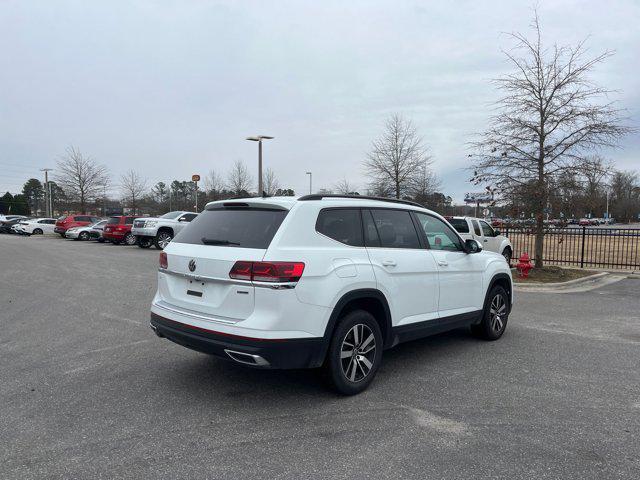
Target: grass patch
[551, 274]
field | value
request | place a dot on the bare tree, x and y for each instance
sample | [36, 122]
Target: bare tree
[214, 185]
[550, 117]
[343, 187]
[396, 156]
[596, 172]
[133, 186]
[239, 180]
[270, 184]
[424, 184]
[81, 178]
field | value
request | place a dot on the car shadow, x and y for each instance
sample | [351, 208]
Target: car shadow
[211, 378]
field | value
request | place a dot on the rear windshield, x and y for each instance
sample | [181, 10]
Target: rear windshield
[460, 224]
[233, 227]
[113, 220]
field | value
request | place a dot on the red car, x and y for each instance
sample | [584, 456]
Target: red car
[118, 230]
[65, 223]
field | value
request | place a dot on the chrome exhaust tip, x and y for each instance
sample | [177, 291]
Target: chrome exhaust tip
[246, 358]
[155, 330]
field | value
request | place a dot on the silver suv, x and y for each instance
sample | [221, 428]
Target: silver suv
[161, 230]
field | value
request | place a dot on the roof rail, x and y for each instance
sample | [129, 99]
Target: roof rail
[319, 196]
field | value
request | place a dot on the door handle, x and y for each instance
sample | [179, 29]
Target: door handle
[443, 263]
[389, 263]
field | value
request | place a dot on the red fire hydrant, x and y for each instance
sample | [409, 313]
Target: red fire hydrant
[524, 265]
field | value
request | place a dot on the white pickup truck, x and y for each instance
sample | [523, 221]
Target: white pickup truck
[480, 230]
[161, 230]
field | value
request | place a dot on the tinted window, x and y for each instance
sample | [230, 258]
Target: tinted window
[460, 224]
[83, 219]
[439, 235]
[371, 238]
[395, 228]
[187, 217]
[233, 227]
[342, 225]
[129, 220]
[476, 227]
[486, 229]
[171, 215]
[113, 221]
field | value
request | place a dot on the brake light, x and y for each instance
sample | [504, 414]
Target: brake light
[274, 272]
[163, 260]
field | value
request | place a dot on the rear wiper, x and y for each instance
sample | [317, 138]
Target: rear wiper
[215, 241]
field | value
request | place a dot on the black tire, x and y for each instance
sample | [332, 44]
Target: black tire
[349, 375]
[161, 238]
[145, 242]
[492, 328]
[507, 254]
[130, 239]
[37, 231]
[83, 236]
[100, 240]
[63, 235]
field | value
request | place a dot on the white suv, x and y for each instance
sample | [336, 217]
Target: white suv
[325, 281]
[480, 230]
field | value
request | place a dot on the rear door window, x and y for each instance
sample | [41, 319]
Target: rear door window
[113, 221]
[341, 224]
[244, 227]
[460, 224]
[476, 228]
[395, 228]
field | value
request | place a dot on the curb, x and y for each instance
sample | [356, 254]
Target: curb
[575, 281]
[573, 286]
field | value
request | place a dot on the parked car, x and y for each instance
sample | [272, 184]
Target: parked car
[65, 223]
[584, 222]
[93, 231]
[7, 224]
[480, 230]
[97, 231]
[159, 231]
[280, 282]
[118, 230]
[36, 226]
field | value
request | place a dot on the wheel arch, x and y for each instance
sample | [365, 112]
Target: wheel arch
[369, 299]
[503, 280]
[165, 228]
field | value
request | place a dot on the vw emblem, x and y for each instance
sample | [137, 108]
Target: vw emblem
[192, 266]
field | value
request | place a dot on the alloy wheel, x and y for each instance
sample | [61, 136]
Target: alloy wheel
[130, 239]
[497, 313]
[358, 352]
[163, 240]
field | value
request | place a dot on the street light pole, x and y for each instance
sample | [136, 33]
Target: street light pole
[47, 192]
[310, 177]
[259, 138]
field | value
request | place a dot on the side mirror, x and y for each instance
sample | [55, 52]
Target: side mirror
[472, 246]
[182, 219]
[496, 233]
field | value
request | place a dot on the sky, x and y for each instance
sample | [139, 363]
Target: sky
[173, 88]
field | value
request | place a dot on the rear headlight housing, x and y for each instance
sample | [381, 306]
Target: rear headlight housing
[272, 272]
[164, 263]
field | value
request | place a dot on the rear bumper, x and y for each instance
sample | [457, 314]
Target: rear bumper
[59, 230]
[277, 353]
[113, 235]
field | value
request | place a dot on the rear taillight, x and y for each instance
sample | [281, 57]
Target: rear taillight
[163, 260]
[274, 272]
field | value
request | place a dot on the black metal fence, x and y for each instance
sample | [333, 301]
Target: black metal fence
[613, 248]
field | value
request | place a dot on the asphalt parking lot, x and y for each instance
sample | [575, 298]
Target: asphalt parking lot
[88, 391]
